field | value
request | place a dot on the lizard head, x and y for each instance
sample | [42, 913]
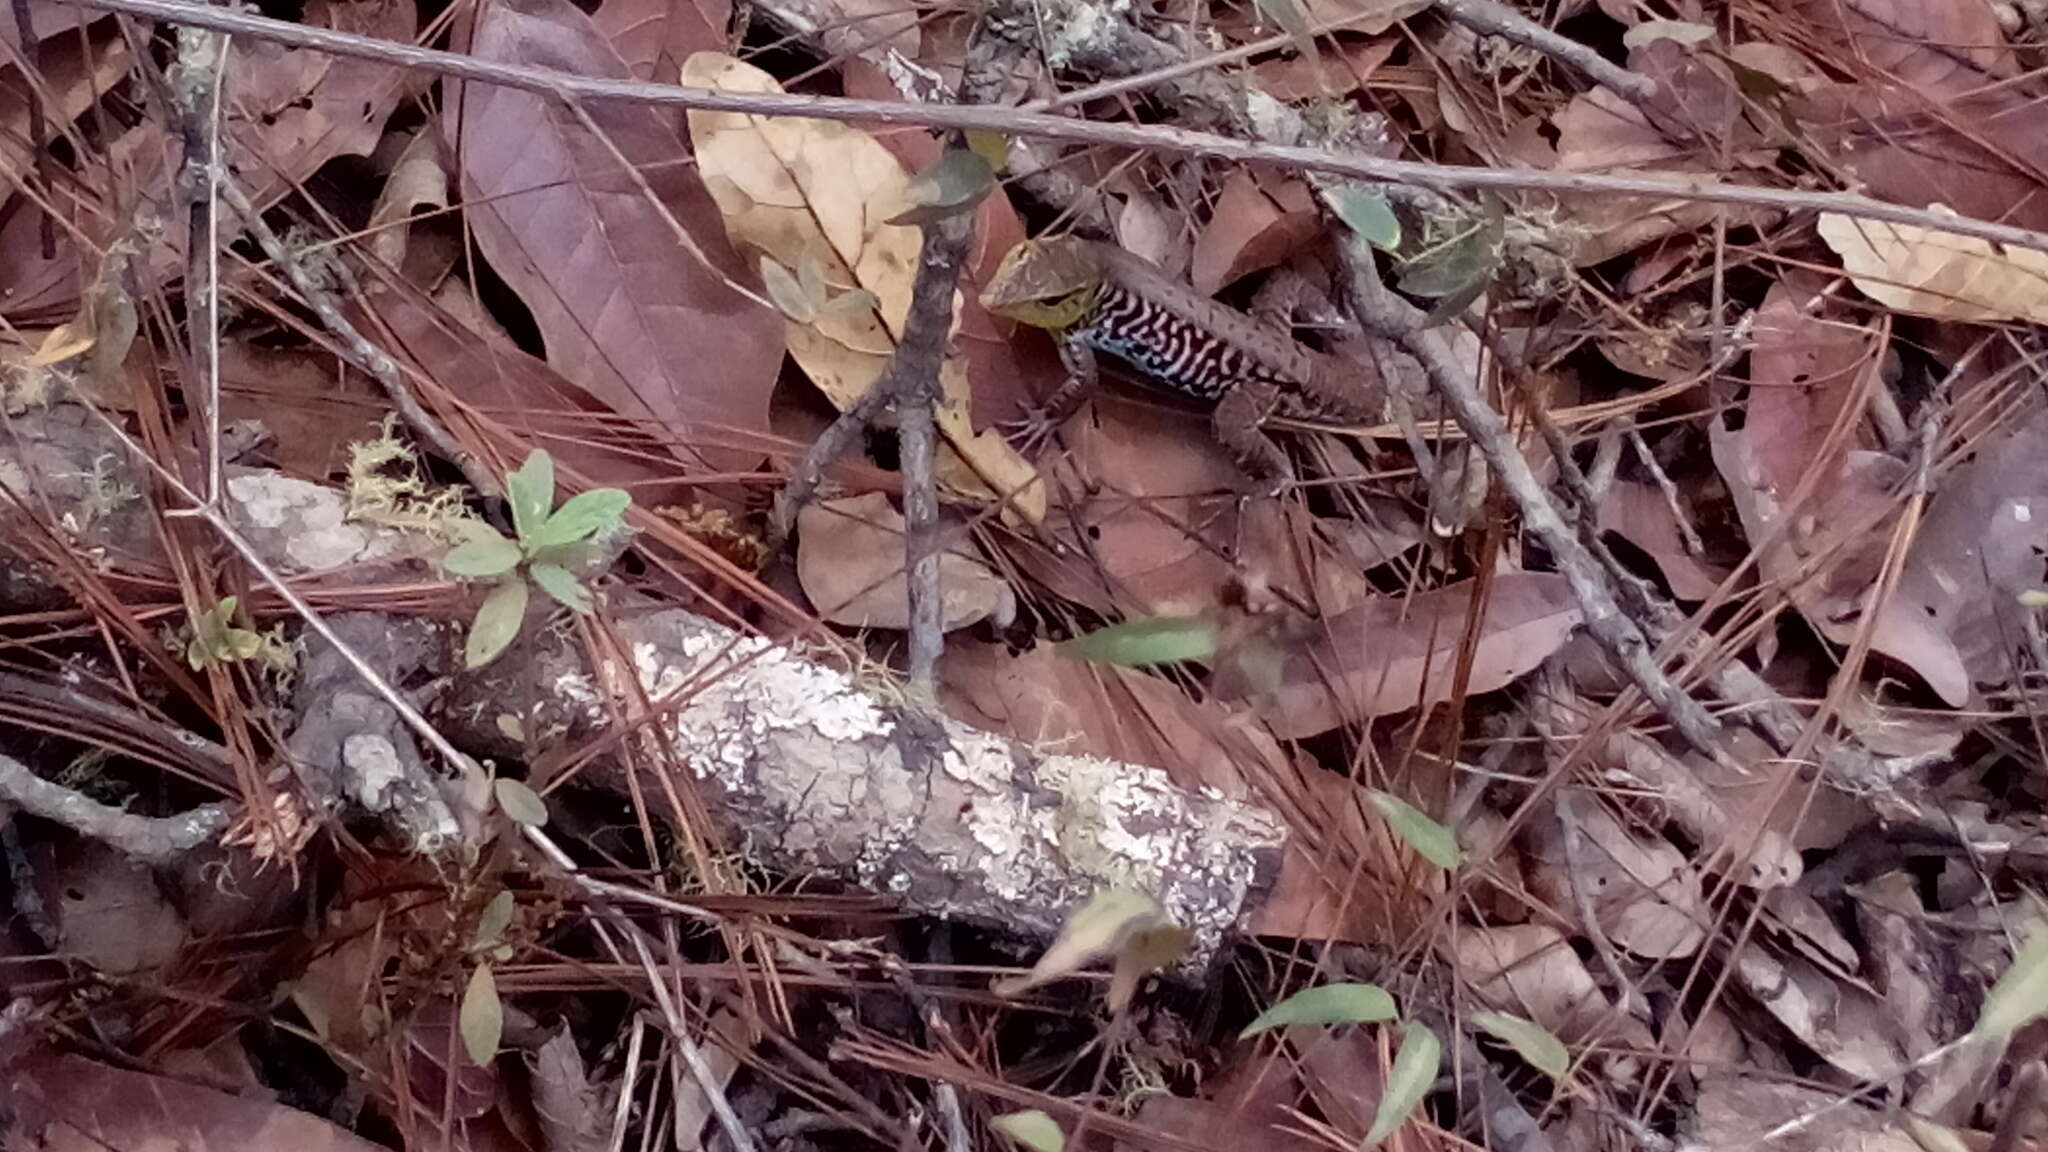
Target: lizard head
[1046, 283]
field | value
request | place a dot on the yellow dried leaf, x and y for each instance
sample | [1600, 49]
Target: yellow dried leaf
[1928, 272]
[62, 343]
[799, 190]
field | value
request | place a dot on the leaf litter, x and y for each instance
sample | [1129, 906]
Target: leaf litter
[1807, 443]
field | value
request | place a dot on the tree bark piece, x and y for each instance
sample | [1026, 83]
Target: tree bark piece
[809, 770]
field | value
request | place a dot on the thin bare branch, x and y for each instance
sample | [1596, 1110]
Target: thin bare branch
[1440, 177]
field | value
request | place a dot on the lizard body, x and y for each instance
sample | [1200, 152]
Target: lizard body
[1099, 298]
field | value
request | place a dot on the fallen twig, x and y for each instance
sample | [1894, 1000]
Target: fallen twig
[1156, 137]
[1618, 634]
[150, 839]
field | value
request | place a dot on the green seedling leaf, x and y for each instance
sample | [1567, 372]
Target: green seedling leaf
[216, 639]
[788, 295]
[957, 181]
[522, 804]
[2021, 995]
[561, 584]
[1531, 1041]
[1326, 1004]
[481, 1017]
[582, 516]
[993, 147]
[531, 492]
[1457, 269]
[491, 924]
[1367, 213]
[1431, 840]
[1032, 1129]
[485, 554]
[1102, 927]
[496, 624]
[1136, 643]
[1415, 1069]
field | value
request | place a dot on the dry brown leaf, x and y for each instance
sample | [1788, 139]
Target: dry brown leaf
[850, 560]
[1736, 1111]
[69, 83]
[1843, 1023]
[1392, 654]
[1951, 48]
[811, 191]
[313, 405]
[1809, 363]
[71, 1104]
[654, 37]
[1932, 273]
[1645, 894]
[1932, 115]
[530, 398]
[416, 183]
[1146, 486]
[1254, 226]
[1077, 708]
[1531, 970]
[570, 1108]
[627, 311]
[111, 913]
[1981, 546]
[290, 110]
[1639, 513]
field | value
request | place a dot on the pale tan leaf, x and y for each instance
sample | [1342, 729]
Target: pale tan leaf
[850, 560]
[812, 190]
[1939, 274]
[417, 183]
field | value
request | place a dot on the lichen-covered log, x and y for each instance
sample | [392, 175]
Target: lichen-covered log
[812, 772]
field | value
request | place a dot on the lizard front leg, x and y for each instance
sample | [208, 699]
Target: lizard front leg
[1040, 423]
[1240, 425]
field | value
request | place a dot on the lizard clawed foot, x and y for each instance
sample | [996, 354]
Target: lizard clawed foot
[1031, 432]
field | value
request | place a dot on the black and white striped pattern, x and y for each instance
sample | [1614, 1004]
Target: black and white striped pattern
[1175, 353]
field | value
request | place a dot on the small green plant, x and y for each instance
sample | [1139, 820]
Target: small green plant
[552, 545]
[217, 640]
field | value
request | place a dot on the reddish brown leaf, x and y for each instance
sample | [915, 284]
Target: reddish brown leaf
[1101, 711]
[1252, 227]
[313, 406]
[523, 394]
[290, 110]
[1638, 512]
[1393, 653]
[626, 310]
[69, 83]
[654, 37]
[72, 1104]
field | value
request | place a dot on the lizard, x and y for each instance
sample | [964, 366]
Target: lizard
[1096, 297]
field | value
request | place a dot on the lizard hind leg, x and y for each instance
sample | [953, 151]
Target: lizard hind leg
[1239, 422]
